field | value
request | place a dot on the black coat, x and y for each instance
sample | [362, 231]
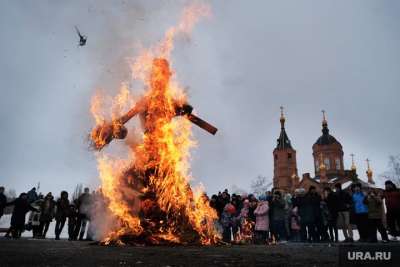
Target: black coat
[343, 201]
[3, 203]
[277, 209]
[21, 207]
[62, 208]
[309, 208]
[47, 210]
[331, 202]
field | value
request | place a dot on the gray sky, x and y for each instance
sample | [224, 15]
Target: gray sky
[240, 66]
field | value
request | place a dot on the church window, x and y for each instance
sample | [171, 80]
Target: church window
[289, 155]
[327, 163]
[316, 165]
[276, 156]
[337, 163]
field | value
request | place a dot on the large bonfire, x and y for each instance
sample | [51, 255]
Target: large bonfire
[148, 191]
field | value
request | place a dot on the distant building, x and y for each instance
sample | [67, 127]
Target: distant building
[285, 163]
[328, 163]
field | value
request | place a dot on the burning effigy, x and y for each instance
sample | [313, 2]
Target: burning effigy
[148, 192]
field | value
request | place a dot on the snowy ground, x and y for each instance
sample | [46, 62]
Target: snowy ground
[33, 252]
[29, 252]
[49, 252]
[5, 223]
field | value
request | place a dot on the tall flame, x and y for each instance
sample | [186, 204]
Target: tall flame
[156, 174]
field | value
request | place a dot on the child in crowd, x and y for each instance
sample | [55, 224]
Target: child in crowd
[227, 220]
[262, 222]
[295, 225]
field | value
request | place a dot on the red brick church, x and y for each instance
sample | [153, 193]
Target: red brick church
[328, 163]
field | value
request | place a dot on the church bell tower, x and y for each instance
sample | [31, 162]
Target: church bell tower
[285, 165]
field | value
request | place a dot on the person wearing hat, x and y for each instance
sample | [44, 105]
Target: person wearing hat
[330, 200]
[277, 208]
[21, 207]
[227, 222]
[343, 202]
[62, 209]
[262, 221]
[360, 212]
[47, 214]
[310, 214]
[375, 208]
[392, 201]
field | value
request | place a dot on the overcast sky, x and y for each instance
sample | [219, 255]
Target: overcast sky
[240, 65]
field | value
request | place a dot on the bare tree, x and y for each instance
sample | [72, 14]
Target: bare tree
[260, 185]
[393, 172]
[237, 190]
[77, 191]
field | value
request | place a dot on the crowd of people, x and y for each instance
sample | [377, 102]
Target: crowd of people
[274, 217]
[310, 216]
[44, 209]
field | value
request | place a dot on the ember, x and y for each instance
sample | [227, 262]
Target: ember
[149, 193]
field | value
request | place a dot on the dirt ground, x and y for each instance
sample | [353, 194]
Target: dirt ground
[27, 252]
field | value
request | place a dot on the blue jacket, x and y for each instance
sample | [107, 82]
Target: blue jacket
[359, 206]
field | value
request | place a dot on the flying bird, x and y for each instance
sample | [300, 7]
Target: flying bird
[82, 38]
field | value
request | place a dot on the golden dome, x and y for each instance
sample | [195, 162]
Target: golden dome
[369, 170]
[324, 121]
[282, 119]
[353, 166]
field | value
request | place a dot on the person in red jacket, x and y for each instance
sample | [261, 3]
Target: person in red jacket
[392, 201]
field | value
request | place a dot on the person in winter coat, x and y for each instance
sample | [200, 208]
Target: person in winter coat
[324, 221]
[343, 205]
[310, 214]
[237, 202]
[277, 207]
[62, 209]
[246, 224]
[262, 221]
[296, 202]
[223, 199]
[375, 208]
[253, 202]
[84, 206]
[3, 201]
[360, 212]
[295, 225]
[330, 200]
[47, 213]
[227, 222]
[288, 211]
[392, 201]
[34, 218]
[72, 219]
[298, 193]
[21, 207]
